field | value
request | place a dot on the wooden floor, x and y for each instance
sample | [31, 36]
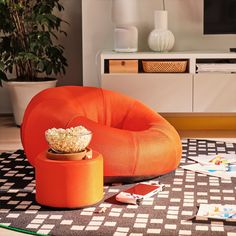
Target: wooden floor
[10, 134]
[10, 141]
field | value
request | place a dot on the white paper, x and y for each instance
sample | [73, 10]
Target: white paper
[209, 159]
[220, 67]
[220, 165]
[208, 171]
[217, 211]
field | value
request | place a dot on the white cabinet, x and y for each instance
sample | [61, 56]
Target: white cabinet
[162, 92]
[214, 92]
[188, 92]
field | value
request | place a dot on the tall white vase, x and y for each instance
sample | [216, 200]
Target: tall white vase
[161, 39]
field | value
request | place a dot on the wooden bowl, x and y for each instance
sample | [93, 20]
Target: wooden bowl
[85, 154]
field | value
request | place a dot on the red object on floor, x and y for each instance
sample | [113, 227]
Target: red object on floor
[135, 141]
[69, 184]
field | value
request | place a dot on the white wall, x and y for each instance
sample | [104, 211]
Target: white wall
[185, 21]
[73, 42]
[97, 36]
[73, 50]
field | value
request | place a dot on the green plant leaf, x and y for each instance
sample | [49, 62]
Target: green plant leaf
[28, 47]
[1, 66]
[2, 77]
[49, 69]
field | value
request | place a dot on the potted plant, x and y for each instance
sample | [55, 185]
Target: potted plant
[29, 51]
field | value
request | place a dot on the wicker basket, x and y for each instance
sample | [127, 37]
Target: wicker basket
[164, 66]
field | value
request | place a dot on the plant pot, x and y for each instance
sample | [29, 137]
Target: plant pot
[22, 92]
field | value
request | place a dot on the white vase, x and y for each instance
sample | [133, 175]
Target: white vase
[161, 39]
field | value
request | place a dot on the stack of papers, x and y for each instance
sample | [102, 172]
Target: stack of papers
[220, 67]
[216, 211]
[221, 165]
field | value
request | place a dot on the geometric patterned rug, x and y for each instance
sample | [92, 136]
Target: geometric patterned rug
[170, 212]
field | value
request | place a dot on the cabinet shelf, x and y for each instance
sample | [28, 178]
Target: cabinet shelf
[188, 91]
[162, 65]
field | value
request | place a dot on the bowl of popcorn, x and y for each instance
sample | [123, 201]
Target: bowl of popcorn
[74, 140]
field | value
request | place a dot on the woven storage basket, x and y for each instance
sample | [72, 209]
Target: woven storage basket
[164, 66]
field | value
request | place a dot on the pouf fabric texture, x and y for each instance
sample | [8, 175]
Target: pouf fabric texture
[69, 184]
[135, 141]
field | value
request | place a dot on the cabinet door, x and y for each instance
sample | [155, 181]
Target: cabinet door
[214, 93]
[162, 92]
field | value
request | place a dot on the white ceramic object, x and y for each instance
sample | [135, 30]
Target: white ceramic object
[124, 12]
[124, 15]
[22, 92]
[126, 39]
[161, 39]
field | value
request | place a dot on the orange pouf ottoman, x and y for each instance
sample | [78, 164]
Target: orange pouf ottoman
[69, 184]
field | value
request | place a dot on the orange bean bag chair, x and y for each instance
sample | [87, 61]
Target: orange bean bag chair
[135, 141]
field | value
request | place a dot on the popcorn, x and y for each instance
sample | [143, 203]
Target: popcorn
[69, 140]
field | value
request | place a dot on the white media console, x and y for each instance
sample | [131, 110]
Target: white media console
[187, 92]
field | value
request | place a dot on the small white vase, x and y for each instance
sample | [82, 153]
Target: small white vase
[161, 39]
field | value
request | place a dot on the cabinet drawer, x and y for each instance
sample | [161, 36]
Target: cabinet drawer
[123, 66]
[214, 92]
[162, 92]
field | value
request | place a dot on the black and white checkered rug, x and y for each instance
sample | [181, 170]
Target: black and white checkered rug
[171, 212]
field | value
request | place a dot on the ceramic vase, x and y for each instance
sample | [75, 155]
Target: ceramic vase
[161, 39]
